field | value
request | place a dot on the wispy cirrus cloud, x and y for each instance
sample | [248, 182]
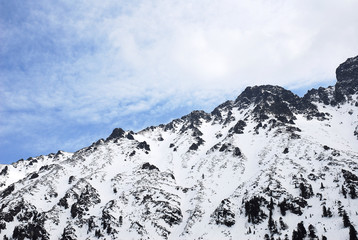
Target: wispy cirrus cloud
[83, 67]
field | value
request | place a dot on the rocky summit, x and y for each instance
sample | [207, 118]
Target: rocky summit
[267, 165]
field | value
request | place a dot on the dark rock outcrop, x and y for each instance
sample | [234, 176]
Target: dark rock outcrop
[276, 101]
[149, 166]
[117, 133]
[144, 145]
[223, 214]
[347, 79]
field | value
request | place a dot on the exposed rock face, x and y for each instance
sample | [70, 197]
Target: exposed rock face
[277, 101]
[347, 79]
[223, 214]
[269, 165]
[117, 133]
[348, 71]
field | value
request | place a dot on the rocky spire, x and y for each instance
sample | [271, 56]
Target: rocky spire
[347, 79]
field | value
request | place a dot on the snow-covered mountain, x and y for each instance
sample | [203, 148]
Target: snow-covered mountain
[268, 165]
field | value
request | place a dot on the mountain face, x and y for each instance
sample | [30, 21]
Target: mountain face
[268, 165]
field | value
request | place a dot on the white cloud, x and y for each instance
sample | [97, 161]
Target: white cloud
[190, 45]
[252, 42]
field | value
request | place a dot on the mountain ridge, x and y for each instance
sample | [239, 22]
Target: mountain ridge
[267, 165]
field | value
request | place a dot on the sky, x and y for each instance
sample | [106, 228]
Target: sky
[71, 71]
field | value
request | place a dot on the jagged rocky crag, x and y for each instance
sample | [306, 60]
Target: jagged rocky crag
[268, 165]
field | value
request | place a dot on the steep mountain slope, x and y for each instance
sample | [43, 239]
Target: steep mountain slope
[269, 165]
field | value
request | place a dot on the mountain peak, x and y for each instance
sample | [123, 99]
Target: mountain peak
[347, 80]
[348, 71]
[257, 94]
[275, 100]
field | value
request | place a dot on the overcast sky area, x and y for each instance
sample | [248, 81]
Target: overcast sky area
[71, 71]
